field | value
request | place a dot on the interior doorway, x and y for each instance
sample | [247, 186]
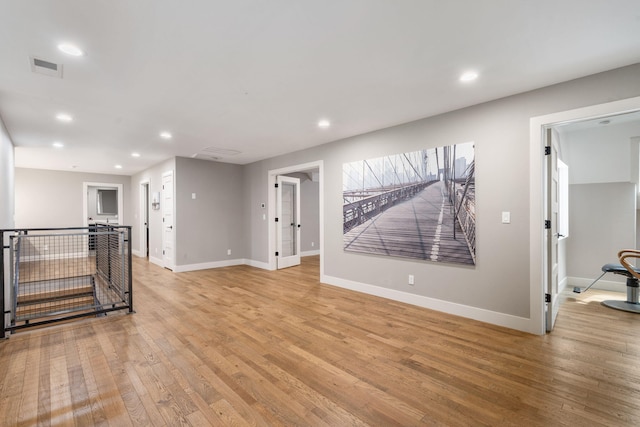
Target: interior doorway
[311, 209]
[102, 202]
[540, 198]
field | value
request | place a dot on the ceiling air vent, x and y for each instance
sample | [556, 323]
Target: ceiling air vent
[48, 68]
[215, 153]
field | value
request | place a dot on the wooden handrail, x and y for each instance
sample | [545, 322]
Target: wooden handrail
[629, 253]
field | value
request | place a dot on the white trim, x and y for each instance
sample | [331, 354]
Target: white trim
[493, 317]
[310, 253]
[257, 264]
[156, 261]
[137, 253]
[172, 261]
[271, 211]
[143, 186]
[207, 265]
[536, 195]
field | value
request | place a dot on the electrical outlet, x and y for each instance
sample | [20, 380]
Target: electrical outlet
[228, 251]
[411, 279]
[312, 244]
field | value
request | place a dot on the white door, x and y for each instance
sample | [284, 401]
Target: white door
[168, 233]
[287, 221]
[553, 192]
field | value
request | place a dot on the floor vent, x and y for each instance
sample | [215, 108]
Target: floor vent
[47, 68]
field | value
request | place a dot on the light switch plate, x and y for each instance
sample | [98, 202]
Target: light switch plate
[506, 217]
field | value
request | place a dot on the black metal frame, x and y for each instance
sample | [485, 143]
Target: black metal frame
[128, 304]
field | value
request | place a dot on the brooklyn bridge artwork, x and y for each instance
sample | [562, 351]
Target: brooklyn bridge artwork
[417, 205]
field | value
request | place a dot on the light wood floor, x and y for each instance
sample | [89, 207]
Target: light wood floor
[242, 346]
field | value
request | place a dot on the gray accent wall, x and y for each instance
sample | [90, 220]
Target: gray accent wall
[501, 132]
[309, 216]
[51, 199]
[212, 223]
[205, 226]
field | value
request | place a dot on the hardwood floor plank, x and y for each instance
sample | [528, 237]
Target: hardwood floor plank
[243, 346]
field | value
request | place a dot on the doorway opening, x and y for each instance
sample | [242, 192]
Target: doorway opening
[311, 230]
[102, 202]
[543, 293]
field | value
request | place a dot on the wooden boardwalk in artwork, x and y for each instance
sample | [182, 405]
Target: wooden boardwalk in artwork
[420, 228]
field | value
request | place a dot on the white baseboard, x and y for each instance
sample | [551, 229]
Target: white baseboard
[207, 265]
[137, 253]
[602, 284]
[493, 317]
[563, 284]
[257, 264]
[310, 253]
[156, 261]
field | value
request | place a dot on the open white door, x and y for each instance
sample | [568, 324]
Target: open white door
[287, 221]
[168, 236]
[551, 225]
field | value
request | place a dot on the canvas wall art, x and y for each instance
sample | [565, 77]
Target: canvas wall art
[417, 205]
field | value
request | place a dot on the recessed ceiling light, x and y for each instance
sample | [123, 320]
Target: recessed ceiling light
[323, 124]
[58, 144]
[469, 76]
[118, 166]
[165, 135]
[135, 154]
[64, 117]
[70, 49]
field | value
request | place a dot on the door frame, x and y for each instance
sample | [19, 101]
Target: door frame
[144, 212]
[271, 209]
[85, 200]
[538, 195]
[172, 260]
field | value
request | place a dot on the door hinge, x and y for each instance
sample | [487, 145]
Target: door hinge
[547, 224]
[276, 185]
[276, 253]
[547, 297]
[276, 219]
[163, 252]
[547, 150]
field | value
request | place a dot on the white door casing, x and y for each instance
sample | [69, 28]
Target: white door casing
[168, 229]
[553, 304]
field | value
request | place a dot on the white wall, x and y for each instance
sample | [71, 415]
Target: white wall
[603, 221]
[601, 154]
[7, 207]
[497, 289]
[49, 199]
[7, 173]
[603, 173]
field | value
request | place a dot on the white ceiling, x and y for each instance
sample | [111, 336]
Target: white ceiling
[256, 75]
